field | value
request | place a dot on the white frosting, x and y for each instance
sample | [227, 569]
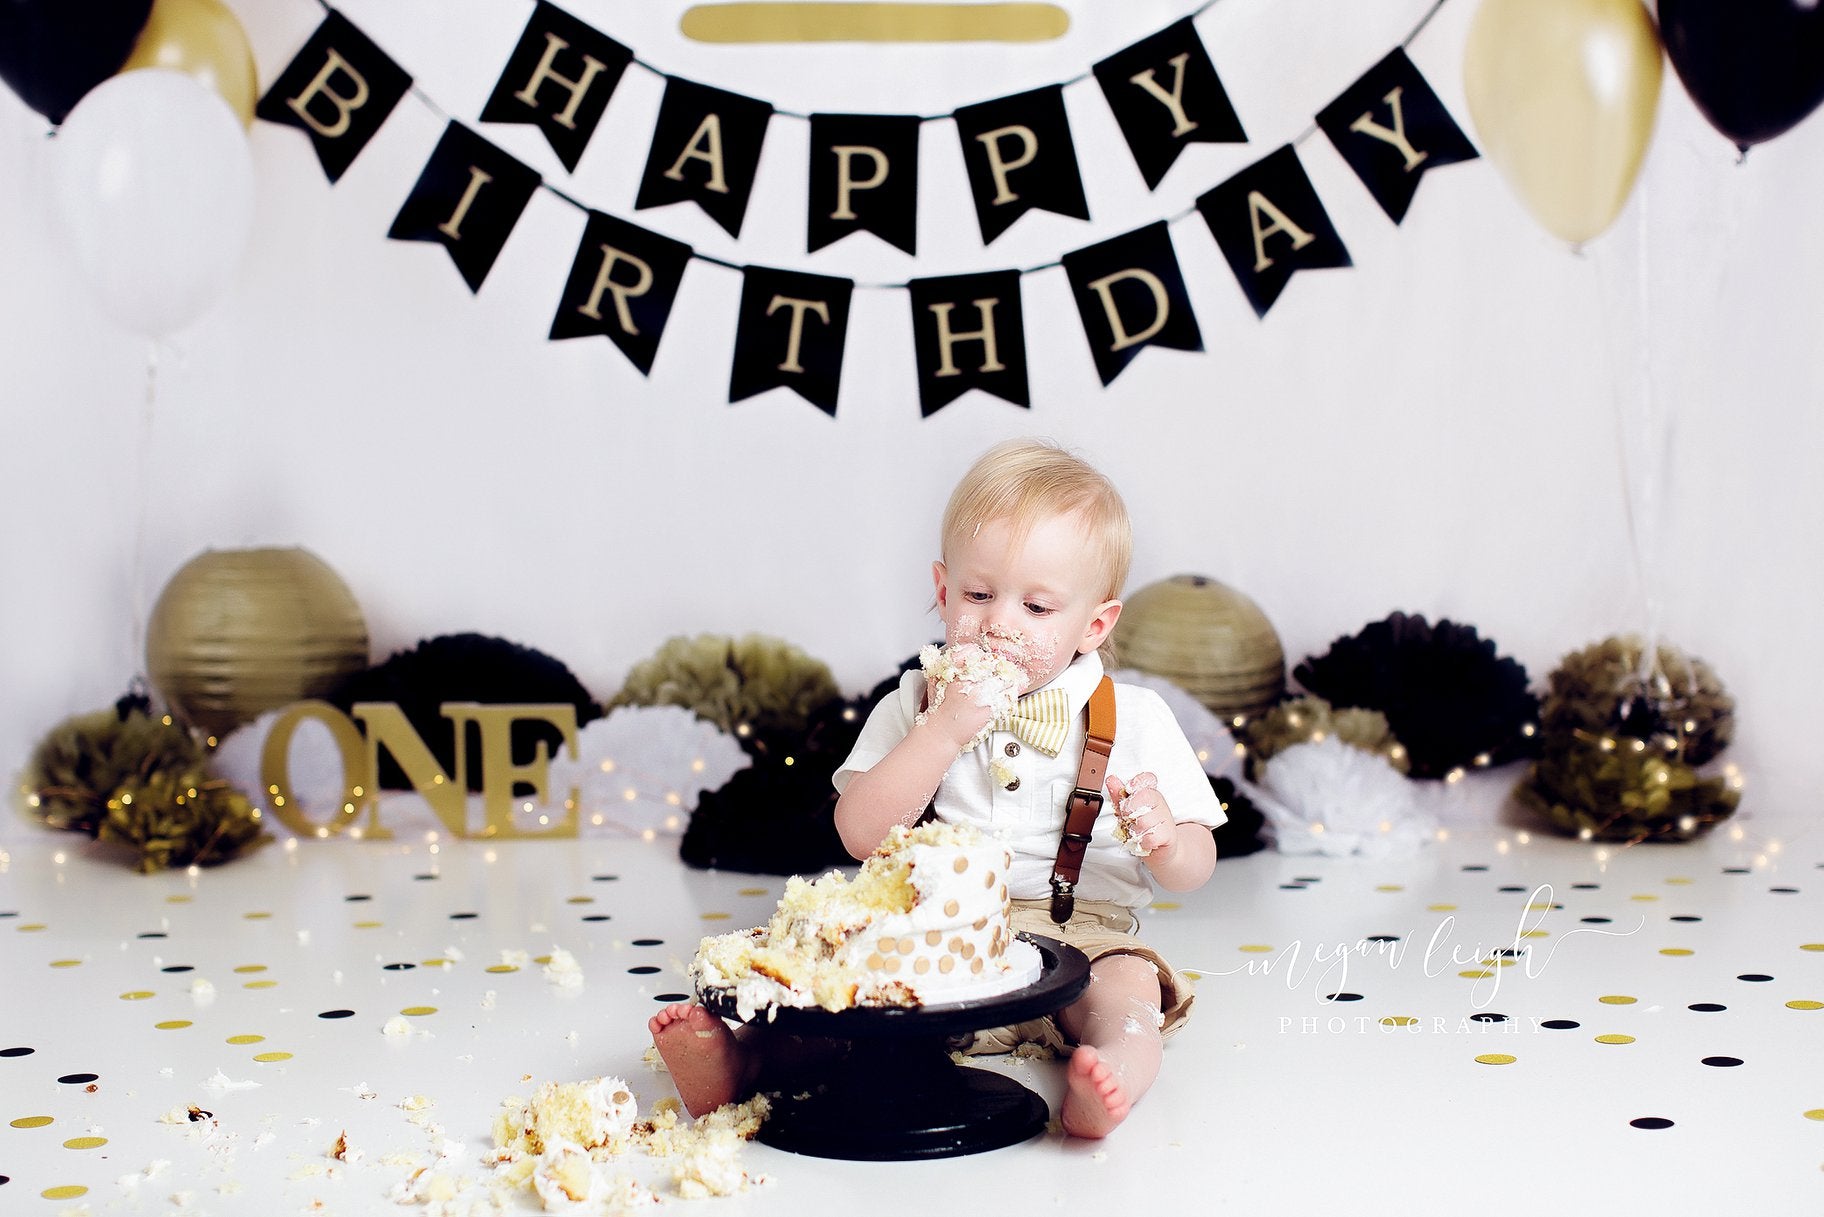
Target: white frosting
[993, 680]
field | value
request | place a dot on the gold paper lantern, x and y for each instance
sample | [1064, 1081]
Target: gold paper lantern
[1209, 640]
[240, 631]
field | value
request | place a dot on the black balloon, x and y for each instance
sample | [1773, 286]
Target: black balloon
[52, 52]
[1754, 67]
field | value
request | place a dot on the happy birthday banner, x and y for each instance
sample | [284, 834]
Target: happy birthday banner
[968, 330]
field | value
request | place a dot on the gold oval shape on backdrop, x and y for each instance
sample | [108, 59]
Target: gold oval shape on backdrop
[201, 38]
[1563, 94]
[237, 632]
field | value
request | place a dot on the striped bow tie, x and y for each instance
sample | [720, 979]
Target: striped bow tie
[1040, 719]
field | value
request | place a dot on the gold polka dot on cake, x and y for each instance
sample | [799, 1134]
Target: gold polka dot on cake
[921, 965]
[418, 1011]
[502, 967]
[66, 1191]
[1399, 1020]
[270, 1058]
[933, 937]
[891, 966]
[1495, 1058]
[31, 1121]
[981, 923]
[1617, 999]
[1805, 1005]
[956, 945]
[976, 966]
[888, 945]
[245, 1039]
[1614, 1039]
[962, 864]
[1255, 948]
[1676, 951]
[65, 963]
[173, 1024]
[136, 995]
[907, 945]
[969, 953]
[85, 1143]
[951, 908]
[946, 965]
[988, 880]
[874, 962]
[249, 968]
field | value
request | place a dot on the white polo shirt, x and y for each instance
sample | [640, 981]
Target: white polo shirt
[1029, 817]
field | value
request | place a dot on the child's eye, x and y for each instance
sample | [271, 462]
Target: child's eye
[976, 597]
[1037, 610]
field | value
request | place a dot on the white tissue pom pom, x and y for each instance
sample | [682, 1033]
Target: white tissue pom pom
[1327, 797]
[1209, 735]
[658, 752]
[314, 766]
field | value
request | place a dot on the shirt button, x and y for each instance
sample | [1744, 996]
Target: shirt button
[1013, 748]
[1014, 785]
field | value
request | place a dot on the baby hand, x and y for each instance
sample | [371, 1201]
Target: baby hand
[1143, 822]
[957, 713]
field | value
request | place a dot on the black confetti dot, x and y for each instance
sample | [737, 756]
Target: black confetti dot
[464, 916]
[1754, 976]
[649, 942]
[78, 1079]
[356, 899]
[671, 997]
[1382, 938]
[1651, 1122]
[1785, 890]
[337, 1014]
[605, 878]
[1305, 879]
[399, 967]
[1292, 887]
[1595, 920]
[1735, 870]
[1489, 1018]
[1686, 917]
[179, 967]
[1510, 952]
[1585, 887]
[596, 917]
[1343, 997]
[1723, 1062]
[1510, 888]
[5, 1179]
[17, 1051]
[10, 913]
[153, 934]
[1561, 1024]
[644, 969]
[1707, 1007]
[1477, 866]
[426, 876]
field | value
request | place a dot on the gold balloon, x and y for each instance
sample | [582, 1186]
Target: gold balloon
[203, 39]
[238, 632]
[1563, 94]
[1209, 640]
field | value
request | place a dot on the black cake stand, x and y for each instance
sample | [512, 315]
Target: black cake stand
[893, 1091]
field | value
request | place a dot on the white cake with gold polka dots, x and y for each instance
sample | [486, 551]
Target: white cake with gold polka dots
[923, 923]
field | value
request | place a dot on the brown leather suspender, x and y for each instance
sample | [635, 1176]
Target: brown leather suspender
[1085, 801]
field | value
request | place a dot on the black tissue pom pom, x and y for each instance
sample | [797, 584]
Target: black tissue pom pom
[1448, 697]
[467, 667]
[1240, 836]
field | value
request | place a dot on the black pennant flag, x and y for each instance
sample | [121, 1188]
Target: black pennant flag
[1020, 157]
[705, 150]
[969, 333]
[1165, 93]
[1392, 128]
[622, 284]
[864, 178]
[558, 78]
[1270, 224]
[338, 90]
[468, 199]
[1130, 294]
[789, 333]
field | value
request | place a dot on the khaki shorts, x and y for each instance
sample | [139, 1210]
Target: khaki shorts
[1096, 928]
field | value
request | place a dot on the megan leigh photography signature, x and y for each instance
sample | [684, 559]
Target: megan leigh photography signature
[1326, 965]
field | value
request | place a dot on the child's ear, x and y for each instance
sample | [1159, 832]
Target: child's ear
[1100, 626]
[939, 579]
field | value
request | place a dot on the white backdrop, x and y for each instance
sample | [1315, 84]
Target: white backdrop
[1434, 430]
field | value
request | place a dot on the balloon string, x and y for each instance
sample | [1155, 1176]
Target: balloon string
[141, 490]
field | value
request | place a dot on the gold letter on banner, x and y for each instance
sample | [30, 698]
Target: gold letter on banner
[709, 134]
[448, 796]
[358, 783]
[1258, 203]
[604, 282]
[1162, 308]
[948, 338]
[991, 143]
[846, 184]
[1397, 137]
[319, 85]
[542, 73]
[452, 227]
[798, 307]
[498, 772]
[1173, 101]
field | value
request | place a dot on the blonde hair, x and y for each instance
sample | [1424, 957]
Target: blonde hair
[1024, 481]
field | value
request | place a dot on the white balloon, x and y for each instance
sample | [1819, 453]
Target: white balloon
[154, 185]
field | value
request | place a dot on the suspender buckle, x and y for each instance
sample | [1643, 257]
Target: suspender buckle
[1063, 899]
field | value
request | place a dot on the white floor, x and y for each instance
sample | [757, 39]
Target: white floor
[1323, 1071]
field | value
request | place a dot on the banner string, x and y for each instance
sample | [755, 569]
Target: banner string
[1303, 137]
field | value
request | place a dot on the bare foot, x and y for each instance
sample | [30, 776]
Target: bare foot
[1094, 1102]
[702, 1054]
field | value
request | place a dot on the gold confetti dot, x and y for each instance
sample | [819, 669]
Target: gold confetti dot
[1255, 948]
[136, 995]
[65, 963]
[1479, 974]
[541, 959]
[1805, 1005]
[85, 1143]
[245, 1039]
[1675, 951]
[179, 899]
[1495, 1058]
[1678, 881]
[1390, 887]
[715, 916]
[1537, 934]
[67, 1191]
[1167, 905]
[32, 927]
[174, 1024]
[1644, 897]
[260, 916]
[582, 900]
[1811, 946]
[1195, 975]
[248, 968]
[367, 925]
[1398, 1020]
[261, 984]
[31, 1121]
[268, 1058]
[1540, 904]
[1617, 999]
[1816, 1113]
[1614, 1039]
[502, 967]
[418, 1011]
[1441, 908]
[439, 962]
[752, 891]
